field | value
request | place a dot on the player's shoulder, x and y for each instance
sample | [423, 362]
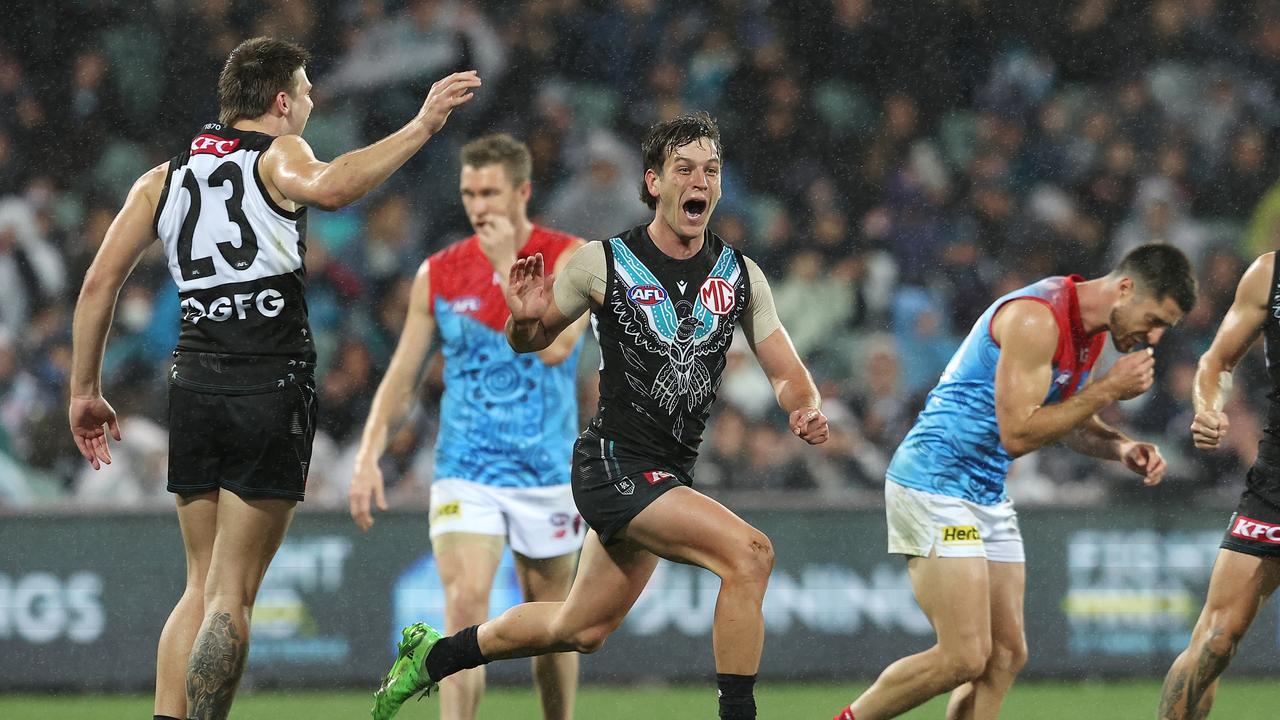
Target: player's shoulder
[556, 246]
[288, 143]
[456, 265]
[150, 185]
[1258, 277]
[1266, 262]
[156, 174]
[1025, 321]
[748, 261]
[1028, 310]
[552, 236]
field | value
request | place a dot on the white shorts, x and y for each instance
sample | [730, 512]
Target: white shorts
[919, 522]
[538, 522]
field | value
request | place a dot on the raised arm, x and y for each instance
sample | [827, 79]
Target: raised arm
[544, 306]
[130, 234]
[392, 401]
[293, 170]
[1239, 331]
[792, 384]
[1027, 333]
[560, 348]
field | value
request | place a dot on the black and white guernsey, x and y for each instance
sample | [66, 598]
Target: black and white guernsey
[235, 254]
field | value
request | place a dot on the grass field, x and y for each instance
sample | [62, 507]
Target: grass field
[1029, 701]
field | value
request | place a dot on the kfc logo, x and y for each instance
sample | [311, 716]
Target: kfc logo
[717, 295]
[213, 145]
[1249, 529]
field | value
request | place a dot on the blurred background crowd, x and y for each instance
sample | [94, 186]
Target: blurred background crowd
[893, 165]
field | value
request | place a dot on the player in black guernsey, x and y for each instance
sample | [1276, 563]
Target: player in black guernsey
[1247, 570]
[230, 212]
[665, 299]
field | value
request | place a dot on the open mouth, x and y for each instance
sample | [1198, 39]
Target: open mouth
[694, 209]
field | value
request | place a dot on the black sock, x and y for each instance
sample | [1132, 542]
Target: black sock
[737, 699]
[460, 651]
[165, 717]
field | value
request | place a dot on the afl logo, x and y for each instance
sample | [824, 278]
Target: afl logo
[717, 295]
[647, 294]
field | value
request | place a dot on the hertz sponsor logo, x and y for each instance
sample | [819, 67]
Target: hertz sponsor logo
[961, 534]
[446, 510]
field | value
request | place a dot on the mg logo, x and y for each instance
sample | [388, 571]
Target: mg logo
[717, 295]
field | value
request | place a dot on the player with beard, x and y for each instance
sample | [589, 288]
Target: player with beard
[1018, 382]
[665, 299]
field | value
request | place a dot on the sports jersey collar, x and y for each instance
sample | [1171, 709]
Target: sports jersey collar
[1082, 340]
[657, 251]
[226, 130]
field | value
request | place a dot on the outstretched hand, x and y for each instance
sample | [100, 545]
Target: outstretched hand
[445, 96]
[89, 414]
[810, 425]
[529, 289]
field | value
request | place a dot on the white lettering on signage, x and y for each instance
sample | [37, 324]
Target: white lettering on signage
[828, 598]
[40, 607]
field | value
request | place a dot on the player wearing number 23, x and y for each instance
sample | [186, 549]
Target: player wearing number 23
[231, 212]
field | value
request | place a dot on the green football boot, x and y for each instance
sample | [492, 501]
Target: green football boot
[408, 676]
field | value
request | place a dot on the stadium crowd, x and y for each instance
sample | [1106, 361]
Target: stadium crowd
[893, 167]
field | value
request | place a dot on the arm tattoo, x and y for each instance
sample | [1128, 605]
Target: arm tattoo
[217, 661]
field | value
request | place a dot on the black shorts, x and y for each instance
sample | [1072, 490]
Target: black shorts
[611, 486]
[257, 446]
[1255, 525]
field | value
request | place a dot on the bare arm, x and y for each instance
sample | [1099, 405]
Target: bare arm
[392, 401]
[395, 394]
[560, 348]
[793, 386]
[128, 237]
[544, 306]
[1239, 331]
[1028, 336]
[1095, 438]
[292, 169]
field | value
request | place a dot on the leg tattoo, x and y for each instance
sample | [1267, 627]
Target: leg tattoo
[1192, 684]
[217, 661]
